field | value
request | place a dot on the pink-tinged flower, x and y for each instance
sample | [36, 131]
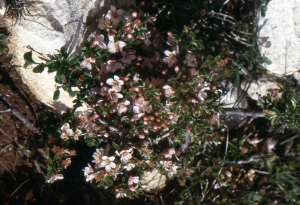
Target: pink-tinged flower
[114, 95]
[190, 59]
[127, 57]
[201, 95]
[168, 152]
[133, 180]
[66, 131]
[132, 188]
[104, 91]
[113, 65]
[173, 117]
[122, 107]
[146, 107]
[98, 41]
[66, 162]
[108, 163]
[173, 42]
[126, 155]
[86, 63]
[98, 157]
[88, 170]
[168, 91]
[172, 170]
[129, 25]
[136, 78]
[129, 166]
[55, 177]
[138, 112]
[171, 58]
[166, 164]
[116, 83]
[115, 15]
[139, 101]
[146, 38]
[76, 134]
[154, 81]
[91, 176]
[104, 23]
[120, 194]
[114, 47]
[271, 144]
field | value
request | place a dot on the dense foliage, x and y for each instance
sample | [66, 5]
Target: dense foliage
[153, 78]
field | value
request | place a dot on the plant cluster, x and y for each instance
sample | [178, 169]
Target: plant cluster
[151, 77]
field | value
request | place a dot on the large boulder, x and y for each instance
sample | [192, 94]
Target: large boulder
[280, 36]
[46, 27]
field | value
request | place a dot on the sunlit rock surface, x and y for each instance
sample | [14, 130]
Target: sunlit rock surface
[50, 25]
[280, 36]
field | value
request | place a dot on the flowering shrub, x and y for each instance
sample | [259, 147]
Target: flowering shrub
[154, 96]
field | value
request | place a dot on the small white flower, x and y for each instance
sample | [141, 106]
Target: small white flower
[104, 91]
[55, 177]
[171, 58]
[122, 107]
[172, 42]
[173, 118]
[114, 95]
[127, 57]
[172, 171]
[88, 170]
[126, 155]
[129, 166]
[121, 195]
[115, 47]
[104, 22]
[116, 83]
[168, 91]
[91, 176]
[133, 179]
[108, 163]
[98, 41]
[139, 101]
[154, 81]
[98, 157]
[136, 78]
[113, 65]
[138, 112]
[146, 107]
[147, 40]
[168, 152]
[86, 63]
[66, 131]
[115, 15]
[190, 59]
[201, 95]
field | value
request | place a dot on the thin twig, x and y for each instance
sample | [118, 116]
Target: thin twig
[243, 113]
[164, 136]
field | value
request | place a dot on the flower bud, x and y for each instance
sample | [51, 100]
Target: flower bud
[135, 14]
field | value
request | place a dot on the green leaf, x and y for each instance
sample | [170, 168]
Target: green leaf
[56, 94]
[64, 52]
[116, 146]
[266, 60]
[61, 71]
[39, 68]
[2, 36]
[3, 48]
[28, 59]
[49, 174]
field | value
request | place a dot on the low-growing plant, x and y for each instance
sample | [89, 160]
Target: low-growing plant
[152, 81]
